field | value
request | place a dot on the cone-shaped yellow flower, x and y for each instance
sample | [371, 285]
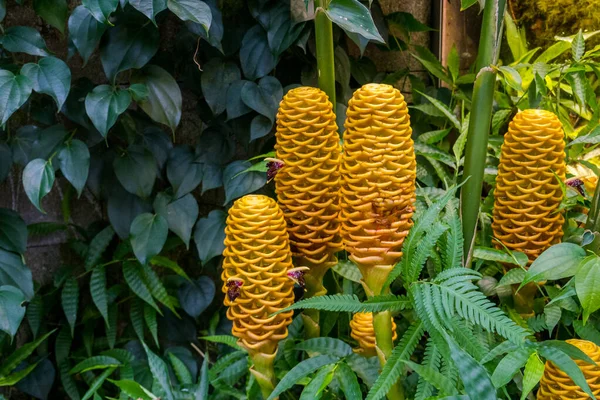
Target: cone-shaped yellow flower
[257, 258]
[528, 192]
[363, 332]
[556, 385]
[378, 181]
[308, 183]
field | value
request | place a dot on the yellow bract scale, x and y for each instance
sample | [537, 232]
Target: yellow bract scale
[378, 177]
[556, 384]
[363, 332]
[257, 255]
[308, 183]
[528, 191]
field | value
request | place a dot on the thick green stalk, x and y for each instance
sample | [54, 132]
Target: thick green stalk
[480, 120]
[593, 220]
[264, 373]
[325, 53]
[382, 323]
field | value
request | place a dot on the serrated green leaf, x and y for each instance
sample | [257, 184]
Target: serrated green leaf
[150, 318]
[444, 109]
[230, 341]
[19, 355]
[160, 372]
[98, 291]
[70, 302]
[133, 389]
[97, 383]
[183, 374]
[578, 46]
[93, 363]
[134, 276]
[97, 247]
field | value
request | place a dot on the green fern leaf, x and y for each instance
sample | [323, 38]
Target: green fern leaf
[164, 262]
[537, 323]
[181, 371]
[93, 363]
[432, 360]
[70, 302]
[230, 341]
[225, 361]
[98, 291]
[433, 377]
[111, 328]
[158, 289]
[136, 314]
[300, 371]
[97, 246]
[424, 249]
[421, 226]
[326, 346]
[351, 303]
[393, 367]
[133, 274]
[68, 383]
[12, 361]
[160, 371]
[452, 243]
[35, 314]
[466, 339]
[150, 318]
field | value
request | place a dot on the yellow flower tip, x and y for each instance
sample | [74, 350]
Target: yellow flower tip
[556, 384]
[257, 258]
[363, 332]
[528, 194]
[308, 182]
[378, 176]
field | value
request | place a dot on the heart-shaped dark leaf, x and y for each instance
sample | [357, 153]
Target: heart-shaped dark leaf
[101, 9]
[104, 104]
[123, 207]
[184, 170]
[127, 46]
[354, 17]
[260, 99]
[191, 10]
[14, 273]
[11, 300]
[215, 146]
[24, 39]
[261, 126]
[215, 33]
[150, 8]
[159, 143]
[136, 170]
[242, 184]
[164, 101]
[209, 235]
[74, 162]
[216, 78]
[54, 12]
[212, 177]
[235, 104]
[255, 54]
[38, 178]
[14, 92]
[13, 231]
[85, 32]
[282, 32]
[195, 297]
[148, 236]
[50, 76]
[39, 381]
[181, 214]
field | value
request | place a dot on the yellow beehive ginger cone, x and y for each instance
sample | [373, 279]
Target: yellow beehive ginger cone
[556, 385]
[528, 191]
[363, 332]
[378, 181]
[308, 182]
[257, 260]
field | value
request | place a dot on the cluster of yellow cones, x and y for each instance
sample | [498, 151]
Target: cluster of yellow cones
[361, 198]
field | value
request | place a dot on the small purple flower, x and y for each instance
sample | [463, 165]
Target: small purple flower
[577, 184]
[234, 288]
[297, 275]
[273, 165]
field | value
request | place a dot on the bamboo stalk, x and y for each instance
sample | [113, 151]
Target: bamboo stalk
[480, 121]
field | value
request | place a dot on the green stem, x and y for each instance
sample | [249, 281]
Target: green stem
[593, 222]
[480, 120]
[382, 323]
[325, 53]
[314, 287]
[264, 373]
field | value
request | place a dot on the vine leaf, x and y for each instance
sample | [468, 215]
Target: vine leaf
[54, 12]
[104, 104]
[209, 235]
[192, 10]
[38, 178]
[13, 311]
[85, 32]
[70, 302]
[74, 162]
[50, 76]
[148, 235]
[14, 92]
[13, 231]
[24, 39]
[101, 9]
[98, 291]
[150, 8]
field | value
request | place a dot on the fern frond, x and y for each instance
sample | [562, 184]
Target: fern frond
[433, 377]
[432, 359]
[453, 242]
[537, 323]
[452, 293]
[462, 332]
[421, 226]
[395, 363]
[414, 265]
[351, 303]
